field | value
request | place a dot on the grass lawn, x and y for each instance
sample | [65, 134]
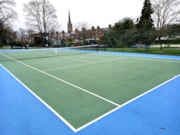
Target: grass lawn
[165, 51]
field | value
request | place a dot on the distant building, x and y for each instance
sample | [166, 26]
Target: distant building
[70, 27]
[77, 37]
[93, 34]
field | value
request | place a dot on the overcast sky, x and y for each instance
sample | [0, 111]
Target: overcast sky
[94, 12]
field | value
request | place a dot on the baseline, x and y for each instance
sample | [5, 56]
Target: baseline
[65, 82]
[155, 56]
[155, 112]
[85, 64]
[24, 113]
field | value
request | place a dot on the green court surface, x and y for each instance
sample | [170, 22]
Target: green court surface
[81, 88]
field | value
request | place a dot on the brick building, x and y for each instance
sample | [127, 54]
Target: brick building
[93, 34]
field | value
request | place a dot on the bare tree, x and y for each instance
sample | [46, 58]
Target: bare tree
[82, 25]
[7, 12]
[22, 33]
[41, 15]
[166, 12]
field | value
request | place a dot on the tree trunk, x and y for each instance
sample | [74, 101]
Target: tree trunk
[160, 42]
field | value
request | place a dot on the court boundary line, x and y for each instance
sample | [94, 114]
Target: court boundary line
[78, 60]
[95, 120]
[65, 82]
[41, 100]
[84, 64]
[120, 106]
[126, 103]
[122, 57]
[113, 110]
[155, 59]
[144, 55]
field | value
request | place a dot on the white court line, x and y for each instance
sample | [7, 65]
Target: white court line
[97, 119]
[126, 103]
[59, 79]
[120, 106]
[150, 59]
[41, 100]
[159, 60]
[91, 62]
[78, 60]
[68, 83]
[84, 64]
[66, 67]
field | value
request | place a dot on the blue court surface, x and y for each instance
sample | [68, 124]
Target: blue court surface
[145, 55]
[155, 113]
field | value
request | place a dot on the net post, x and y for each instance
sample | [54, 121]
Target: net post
[105, 47]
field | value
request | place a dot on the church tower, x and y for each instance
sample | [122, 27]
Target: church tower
[70, 29]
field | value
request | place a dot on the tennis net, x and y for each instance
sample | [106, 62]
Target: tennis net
[6, 55]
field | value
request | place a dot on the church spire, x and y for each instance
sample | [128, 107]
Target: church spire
[69, 23]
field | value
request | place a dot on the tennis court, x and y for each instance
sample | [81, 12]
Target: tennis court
[83, 87]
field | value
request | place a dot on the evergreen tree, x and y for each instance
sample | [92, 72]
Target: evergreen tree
[145, 25]
[145, 21]
[117, 33]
